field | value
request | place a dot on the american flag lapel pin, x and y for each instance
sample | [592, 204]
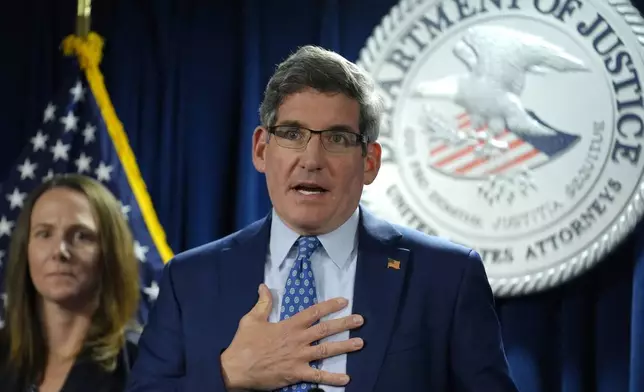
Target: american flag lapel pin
[395, 264]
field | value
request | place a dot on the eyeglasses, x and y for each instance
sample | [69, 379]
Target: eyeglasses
[296, 137]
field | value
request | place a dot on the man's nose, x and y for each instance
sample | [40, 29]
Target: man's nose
[312, 157]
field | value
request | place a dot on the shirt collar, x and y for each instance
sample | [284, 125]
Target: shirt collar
[338, 244]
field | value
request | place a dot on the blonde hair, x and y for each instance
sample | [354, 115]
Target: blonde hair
[119, 284]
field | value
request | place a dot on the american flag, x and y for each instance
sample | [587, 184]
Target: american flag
[73, 138]
[523, 151]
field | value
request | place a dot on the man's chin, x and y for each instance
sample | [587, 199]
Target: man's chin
[308, 221]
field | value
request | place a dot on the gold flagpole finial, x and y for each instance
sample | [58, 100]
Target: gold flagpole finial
[83, 18]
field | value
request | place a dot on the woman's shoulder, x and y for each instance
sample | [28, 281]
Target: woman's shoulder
[7, 376]
[88, 372]
[131, 347]
[4, 348]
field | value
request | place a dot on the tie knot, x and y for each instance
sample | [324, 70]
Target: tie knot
[308, 239]
[307, 245]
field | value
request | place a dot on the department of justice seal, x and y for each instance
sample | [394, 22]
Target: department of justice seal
[514, 127]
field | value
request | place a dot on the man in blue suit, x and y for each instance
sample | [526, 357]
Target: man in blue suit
[320, 294]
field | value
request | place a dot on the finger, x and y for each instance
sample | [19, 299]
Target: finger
[312, 314]
[318, 376]
[331, 327]
[331, 349]
[264, 304]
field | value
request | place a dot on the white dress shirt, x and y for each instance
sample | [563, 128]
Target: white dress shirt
[334, 270]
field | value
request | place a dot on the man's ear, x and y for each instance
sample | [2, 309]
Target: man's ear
[372, 162]
[260, 144]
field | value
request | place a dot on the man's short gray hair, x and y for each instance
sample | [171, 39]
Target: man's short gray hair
[328, 72]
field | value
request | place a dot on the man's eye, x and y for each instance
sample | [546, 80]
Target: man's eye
[344, 138]
[289, 133]
[339, 138]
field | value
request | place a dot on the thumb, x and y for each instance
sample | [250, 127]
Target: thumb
[264, 304]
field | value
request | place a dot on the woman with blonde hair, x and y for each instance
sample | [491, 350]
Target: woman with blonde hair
[72, 284]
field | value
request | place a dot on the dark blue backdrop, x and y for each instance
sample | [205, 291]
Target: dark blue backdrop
[186, 77]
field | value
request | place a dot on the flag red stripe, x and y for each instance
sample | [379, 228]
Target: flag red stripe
[438, 149]
[515, 161]
[458, 154]
[479, 161]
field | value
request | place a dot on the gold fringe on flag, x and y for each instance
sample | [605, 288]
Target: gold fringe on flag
[89, 52]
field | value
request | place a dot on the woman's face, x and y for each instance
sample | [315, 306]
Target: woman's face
[63, 248]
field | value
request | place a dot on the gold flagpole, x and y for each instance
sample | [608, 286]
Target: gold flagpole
[88, 47]
[83, 18]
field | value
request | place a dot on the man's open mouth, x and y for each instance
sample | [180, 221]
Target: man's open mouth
[309, 189]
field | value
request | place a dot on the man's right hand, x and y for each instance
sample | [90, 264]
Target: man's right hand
[268, 356]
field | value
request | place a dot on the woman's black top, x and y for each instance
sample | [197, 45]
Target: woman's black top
[85, 375]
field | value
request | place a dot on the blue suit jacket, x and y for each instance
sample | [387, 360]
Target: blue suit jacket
[429, 325]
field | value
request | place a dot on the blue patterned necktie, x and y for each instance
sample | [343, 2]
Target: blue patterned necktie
[300, 291]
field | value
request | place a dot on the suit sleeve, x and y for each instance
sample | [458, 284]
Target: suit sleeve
[477, 355]
[160, 363]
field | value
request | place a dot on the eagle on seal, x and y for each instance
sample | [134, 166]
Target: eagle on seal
[498, 59]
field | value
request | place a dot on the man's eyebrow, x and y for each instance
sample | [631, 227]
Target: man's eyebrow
[293, 123]
[342, 127]
[335, 127]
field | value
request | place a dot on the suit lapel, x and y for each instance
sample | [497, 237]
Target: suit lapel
[240, 271]
[237, 271]
[379, 280]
